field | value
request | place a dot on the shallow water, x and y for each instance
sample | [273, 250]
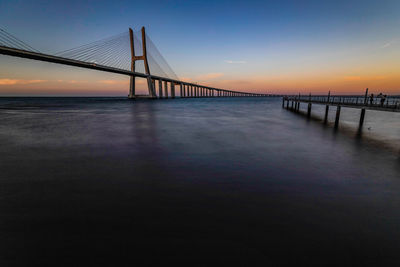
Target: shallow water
[240, 181]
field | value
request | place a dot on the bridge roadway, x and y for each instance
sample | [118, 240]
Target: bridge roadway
[391, 103]
[199, 90]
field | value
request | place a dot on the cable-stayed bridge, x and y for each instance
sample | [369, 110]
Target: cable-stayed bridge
[129, 53]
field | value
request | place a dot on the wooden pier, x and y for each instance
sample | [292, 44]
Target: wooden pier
[370, 102]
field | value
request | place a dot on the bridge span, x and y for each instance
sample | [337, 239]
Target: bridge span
[106, 60]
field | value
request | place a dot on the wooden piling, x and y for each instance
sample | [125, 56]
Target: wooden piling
[361, 118]
[326, 114]
[337, 116]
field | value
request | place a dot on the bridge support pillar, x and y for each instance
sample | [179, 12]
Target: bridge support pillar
[160, 93]
[361, 118]
[132, 87]
[153, 84]
[309, 110]
[337, 117]
[166, 89]
[326, 114]
[181, 91]
[172, 90]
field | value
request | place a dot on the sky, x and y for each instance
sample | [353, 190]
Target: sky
[256, 46]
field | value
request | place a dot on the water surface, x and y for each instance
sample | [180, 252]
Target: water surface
[108, 181]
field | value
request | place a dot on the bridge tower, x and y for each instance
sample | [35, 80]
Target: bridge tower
[134, 58]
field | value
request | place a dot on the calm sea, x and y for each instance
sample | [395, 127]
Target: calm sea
[227, 182]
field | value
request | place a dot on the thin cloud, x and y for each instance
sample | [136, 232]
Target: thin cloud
[352, 78]
[186, 79]
[386, 45]
[17, 81]
[364, 78]
[235, 62]
[113, 82]
[210, 76]
[76, 82]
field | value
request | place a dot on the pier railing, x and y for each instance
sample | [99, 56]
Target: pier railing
[380, 102]
[375, 102]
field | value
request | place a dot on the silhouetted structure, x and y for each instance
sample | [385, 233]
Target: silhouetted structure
[388, 103]
[117, 54]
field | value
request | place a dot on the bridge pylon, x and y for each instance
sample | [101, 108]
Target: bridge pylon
[134, 58]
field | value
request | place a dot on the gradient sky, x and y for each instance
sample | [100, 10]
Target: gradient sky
[256, 46]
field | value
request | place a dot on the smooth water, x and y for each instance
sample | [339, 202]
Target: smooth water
[218, 181]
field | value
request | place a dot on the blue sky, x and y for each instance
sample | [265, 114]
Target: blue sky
[262, 45]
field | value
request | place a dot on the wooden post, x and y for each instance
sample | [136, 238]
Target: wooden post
[326, 114]
[366, 97]
[337, 117]
[283, 102]
[309, 110]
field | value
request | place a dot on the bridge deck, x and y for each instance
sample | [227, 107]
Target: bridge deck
[76, 63]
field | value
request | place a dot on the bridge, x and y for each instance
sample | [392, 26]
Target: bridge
[371, 102]
[118, 54]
